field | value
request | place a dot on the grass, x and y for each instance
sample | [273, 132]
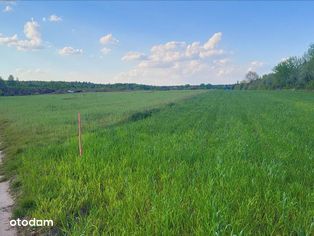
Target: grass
[221, 162]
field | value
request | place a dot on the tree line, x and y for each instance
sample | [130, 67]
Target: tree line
[13, 87]
[291, 73]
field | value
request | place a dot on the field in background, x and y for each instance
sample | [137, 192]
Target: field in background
[221, 162]
[46, 119]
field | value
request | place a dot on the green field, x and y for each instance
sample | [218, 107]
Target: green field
[164, 163]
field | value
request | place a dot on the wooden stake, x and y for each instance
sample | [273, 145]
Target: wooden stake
[79, 133]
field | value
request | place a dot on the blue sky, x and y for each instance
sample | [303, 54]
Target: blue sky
[160, 43]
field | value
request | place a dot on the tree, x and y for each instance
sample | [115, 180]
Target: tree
[2, 86]
[309, 55]
[2, 83]
[287, 72]
[11, 81]
[294, 72]
[10, 78]
[306, 77]
[251, 76]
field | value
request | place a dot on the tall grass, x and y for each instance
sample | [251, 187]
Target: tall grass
[219, 163]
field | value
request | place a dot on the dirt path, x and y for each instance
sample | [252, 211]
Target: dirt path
[6, 203]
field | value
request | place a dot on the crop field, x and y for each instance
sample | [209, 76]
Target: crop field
[164, 163]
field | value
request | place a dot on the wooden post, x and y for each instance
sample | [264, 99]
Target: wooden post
[79, 133]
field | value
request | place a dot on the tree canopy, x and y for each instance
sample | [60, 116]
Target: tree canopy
[291, 73]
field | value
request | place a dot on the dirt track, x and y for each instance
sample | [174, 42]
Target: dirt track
[6, 203]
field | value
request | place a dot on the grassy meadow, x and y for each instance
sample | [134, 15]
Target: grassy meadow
[164, 163]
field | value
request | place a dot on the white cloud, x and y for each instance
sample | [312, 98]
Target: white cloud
[8, 40]
[33, 39]
[255, 65]
[108, 39]
[213, 41]
[174, 51]
[54, 18]
[179, 62]
[7, 9]
[131, 56]
[67, 51]
[105, 51]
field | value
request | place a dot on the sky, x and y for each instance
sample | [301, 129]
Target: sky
[156, 43]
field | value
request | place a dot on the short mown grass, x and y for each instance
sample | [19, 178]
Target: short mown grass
[217, 163]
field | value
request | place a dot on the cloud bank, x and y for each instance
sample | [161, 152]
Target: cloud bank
[179, 62]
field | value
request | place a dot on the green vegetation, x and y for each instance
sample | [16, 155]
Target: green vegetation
[13, 87]
[292, 73]
[219, 163]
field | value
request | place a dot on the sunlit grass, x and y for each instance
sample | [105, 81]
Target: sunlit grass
[221, 162]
